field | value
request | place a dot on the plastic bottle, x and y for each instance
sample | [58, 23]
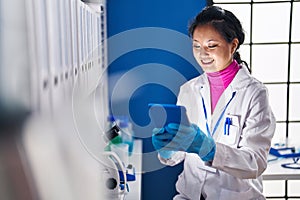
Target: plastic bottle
[112, 136]
[126, 133]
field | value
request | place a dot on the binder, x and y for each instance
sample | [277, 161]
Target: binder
[94, 68]
[65, 26]
[74, 36]
[55, 52]
[80, 83]
[40, 77]
[32, 49]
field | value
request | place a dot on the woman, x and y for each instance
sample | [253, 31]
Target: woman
[225, 149]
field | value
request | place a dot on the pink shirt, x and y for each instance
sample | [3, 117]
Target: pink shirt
[219, 81]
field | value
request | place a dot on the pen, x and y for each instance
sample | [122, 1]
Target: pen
[227, 125]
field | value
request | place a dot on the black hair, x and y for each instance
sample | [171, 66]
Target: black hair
[225, 22]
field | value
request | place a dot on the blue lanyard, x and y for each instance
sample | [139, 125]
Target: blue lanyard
[221, 116]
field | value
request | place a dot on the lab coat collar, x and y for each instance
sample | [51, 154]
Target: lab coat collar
[241, 80]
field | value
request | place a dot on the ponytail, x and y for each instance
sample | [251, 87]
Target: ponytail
[238, 59]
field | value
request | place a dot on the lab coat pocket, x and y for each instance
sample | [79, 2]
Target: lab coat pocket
[231, 130]
[230, 136]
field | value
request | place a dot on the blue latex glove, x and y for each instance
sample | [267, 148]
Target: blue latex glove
[160, 140]
[190, 139]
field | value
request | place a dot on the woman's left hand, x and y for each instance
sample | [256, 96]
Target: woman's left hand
[191, 139]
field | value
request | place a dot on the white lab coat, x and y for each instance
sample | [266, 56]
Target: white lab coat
[240, 158]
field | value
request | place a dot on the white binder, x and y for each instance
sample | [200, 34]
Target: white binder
[55, 52]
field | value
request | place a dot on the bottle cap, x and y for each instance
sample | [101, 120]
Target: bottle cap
[112, 132]
[111, 118]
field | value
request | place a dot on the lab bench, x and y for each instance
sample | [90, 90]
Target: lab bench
[275, 172]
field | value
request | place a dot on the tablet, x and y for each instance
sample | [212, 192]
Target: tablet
[163, 114]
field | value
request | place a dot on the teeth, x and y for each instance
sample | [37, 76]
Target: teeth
[207, 61]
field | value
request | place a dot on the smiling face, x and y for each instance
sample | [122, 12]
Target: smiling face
[211, 50]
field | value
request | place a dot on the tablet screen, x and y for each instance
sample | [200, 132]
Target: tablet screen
[163, 114]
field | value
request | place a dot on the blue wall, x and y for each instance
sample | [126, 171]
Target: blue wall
[149, 56]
